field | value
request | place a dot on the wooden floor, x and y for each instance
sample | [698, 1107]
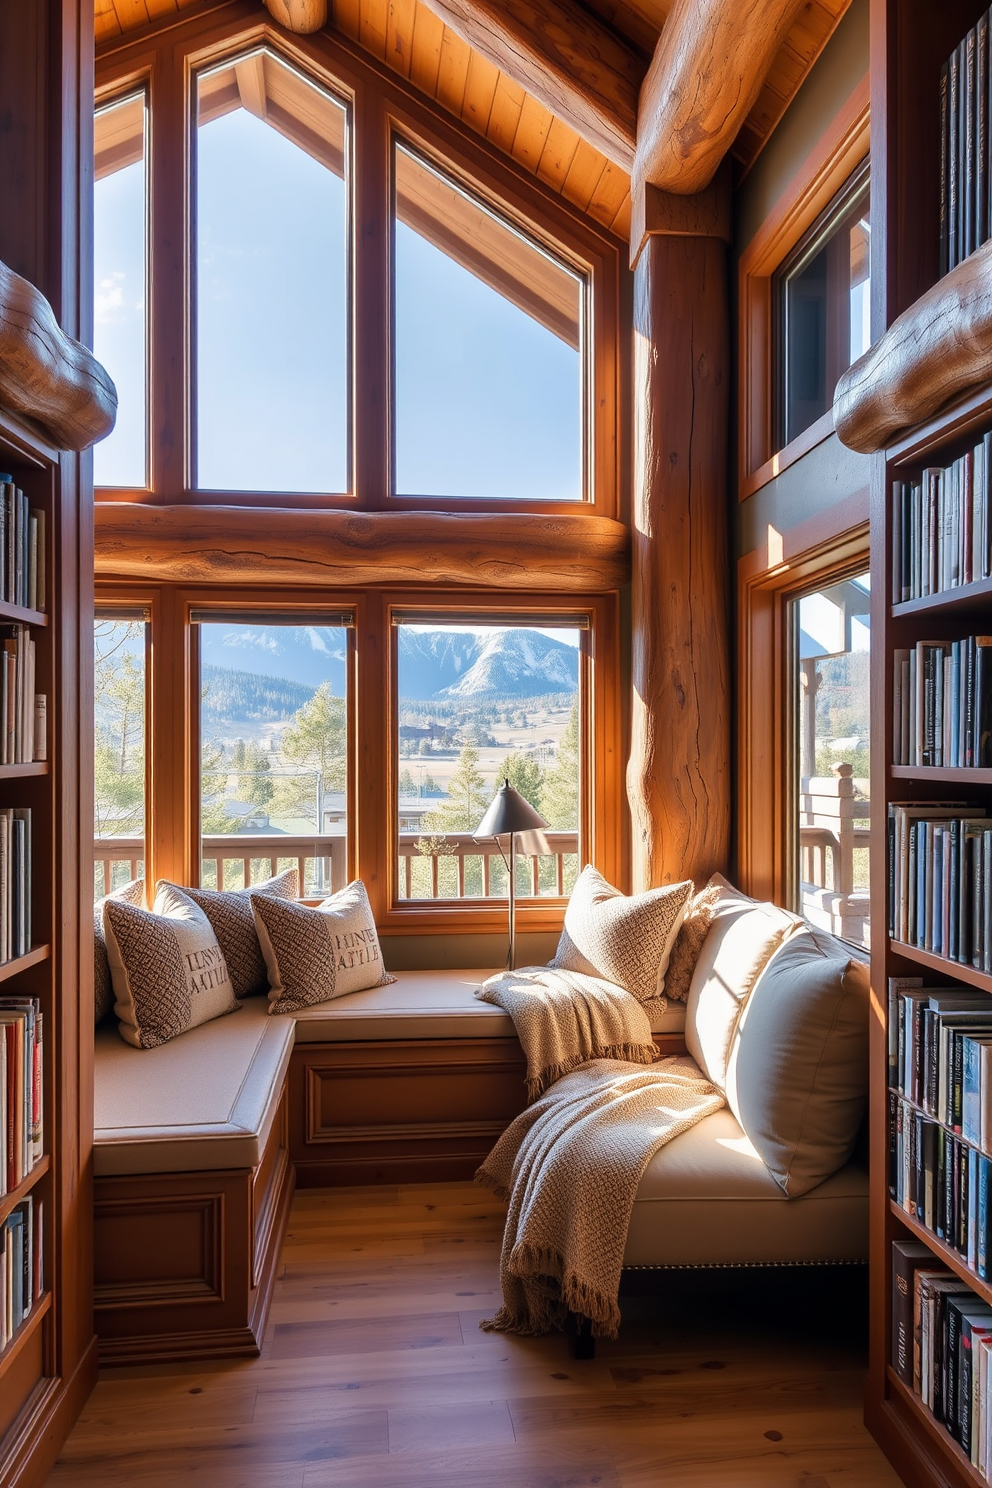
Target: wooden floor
[374, 1374]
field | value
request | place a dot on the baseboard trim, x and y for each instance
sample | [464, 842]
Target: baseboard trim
[40, 1432]
[169, 1348]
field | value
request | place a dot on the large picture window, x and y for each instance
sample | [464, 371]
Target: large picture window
[273, 750]
[272, 336]
[478, 703]
[489, 337]
[120, 651]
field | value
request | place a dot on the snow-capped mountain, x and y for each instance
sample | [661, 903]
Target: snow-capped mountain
[308, 654]
[515, 664]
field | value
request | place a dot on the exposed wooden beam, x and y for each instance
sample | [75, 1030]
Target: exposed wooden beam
[707, 71]
[301, 16]
[48, 376]
[574, 64]
[932, 353]
[223, 544]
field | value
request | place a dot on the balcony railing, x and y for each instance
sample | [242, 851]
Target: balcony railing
[833, 853]
[235, 861]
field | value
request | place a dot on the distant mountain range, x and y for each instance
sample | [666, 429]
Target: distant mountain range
[256, 672]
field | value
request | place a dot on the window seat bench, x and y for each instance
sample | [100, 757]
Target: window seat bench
[198, 1143]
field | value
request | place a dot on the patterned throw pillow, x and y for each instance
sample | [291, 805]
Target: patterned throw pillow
[229, 912]
[625, 939]
[168, 971]
[103, 989]
[689, 942]
[313, 955]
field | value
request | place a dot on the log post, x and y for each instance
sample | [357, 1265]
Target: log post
[678, 777]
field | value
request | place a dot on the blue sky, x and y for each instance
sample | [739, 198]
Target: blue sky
[488, 401]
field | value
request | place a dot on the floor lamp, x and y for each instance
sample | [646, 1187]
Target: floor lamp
[511, 813]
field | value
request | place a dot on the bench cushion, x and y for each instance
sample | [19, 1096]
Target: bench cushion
[427, 1005]
[708, 1199]
[206, 1100]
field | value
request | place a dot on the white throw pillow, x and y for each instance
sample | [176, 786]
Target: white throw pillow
[742, 939]
[314, 954]
[169, 973]
[625, 939]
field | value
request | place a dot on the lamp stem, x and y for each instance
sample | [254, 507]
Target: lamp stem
[513, 907]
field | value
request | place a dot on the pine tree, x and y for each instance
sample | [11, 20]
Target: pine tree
[525, 775]
[468, 796]
[560, 791]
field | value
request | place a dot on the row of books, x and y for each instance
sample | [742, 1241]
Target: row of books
[940, 879]
[942, 1347]
[941, 1181]
[15, 882]
[936, 1057]
[942, 703]
[22, 548]
[942, 527]
[22, 1045]
[23, 712]
[965, 122]
[21, 1265]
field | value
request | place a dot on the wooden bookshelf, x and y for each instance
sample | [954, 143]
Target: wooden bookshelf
[944, 774]
[942, 1252]
[934, 1431]
[949, 970]
[965, 598]
[36, 1317]
[10, 1200]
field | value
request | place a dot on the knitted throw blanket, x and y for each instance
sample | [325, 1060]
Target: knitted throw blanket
[565, 1018]
[570, 1166]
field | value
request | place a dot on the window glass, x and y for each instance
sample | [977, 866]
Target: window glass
[119, 288]
[271, 281]
[479, 704]
[273, 753]
[119, 656]
[489, 339]
[833, 644]
[824, 294]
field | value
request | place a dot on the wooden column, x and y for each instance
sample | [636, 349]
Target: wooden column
[678, 778]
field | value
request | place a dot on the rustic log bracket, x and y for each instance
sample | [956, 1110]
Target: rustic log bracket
[300, 16]
[936, 350]
[224, 544]
[48, 376]
[705, 215]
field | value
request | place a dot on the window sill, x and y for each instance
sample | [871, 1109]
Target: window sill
[793, 452]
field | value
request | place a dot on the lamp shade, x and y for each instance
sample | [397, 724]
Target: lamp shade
[509, 811]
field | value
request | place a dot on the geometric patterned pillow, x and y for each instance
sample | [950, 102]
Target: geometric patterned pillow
[168, 971]
[229, 912]
[625, 939]
[313, 955]
[689, 943]
[103, 991]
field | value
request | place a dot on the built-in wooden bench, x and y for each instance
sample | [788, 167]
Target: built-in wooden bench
[196, 1143]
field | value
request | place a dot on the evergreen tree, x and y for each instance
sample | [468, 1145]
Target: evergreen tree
[316, 742]
[408, 786]
[525, 775]
[468, 796]
[119, 745]
[560, 790]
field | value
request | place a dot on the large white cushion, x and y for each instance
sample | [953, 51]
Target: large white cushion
[741, 940]
[203, 1101]
[708, 1199]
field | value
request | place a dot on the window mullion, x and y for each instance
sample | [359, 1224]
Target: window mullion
[371, 302]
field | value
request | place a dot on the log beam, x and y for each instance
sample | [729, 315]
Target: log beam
[48, 376]
[707, 71]
[301, 16]
[933, 352]
[250, 545]
[678, 777]
[570, 61]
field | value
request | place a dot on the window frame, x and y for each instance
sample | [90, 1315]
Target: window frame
[167, 65]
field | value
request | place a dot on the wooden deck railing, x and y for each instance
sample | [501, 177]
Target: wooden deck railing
[322, 861]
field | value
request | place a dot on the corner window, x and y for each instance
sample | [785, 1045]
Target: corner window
[832, 751]
[273, 749]
[272, 281]
[489, 349]
[822, 303]
[120, 647]
[120, 335]
[478, 703]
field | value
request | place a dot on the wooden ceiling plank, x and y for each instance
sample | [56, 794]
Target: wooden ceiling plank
[372, 27]
[620, 225]
[583, 175]
[400, 21]
[577, 67]
[347, 18]
[131, 14]
[428, 34]
[508, 101]
[609, 193]
[531, 135]
[706, 74]
[480, 90]
[159, 8]
[557, 155]
[452, 72]
[105, 21]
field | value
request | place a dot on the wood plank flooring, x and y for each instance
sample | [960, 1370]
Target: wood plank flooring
[374, 1374]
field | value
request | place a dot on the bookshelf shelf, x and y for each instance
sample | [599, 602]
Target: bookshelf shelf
[34, 957]
[12, 1199]
[934, 1429]
[24, 772]
[945, 1253]
[18, 612]
[956, 970]
[948, 602]
[33, 1320]
[939, 774]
